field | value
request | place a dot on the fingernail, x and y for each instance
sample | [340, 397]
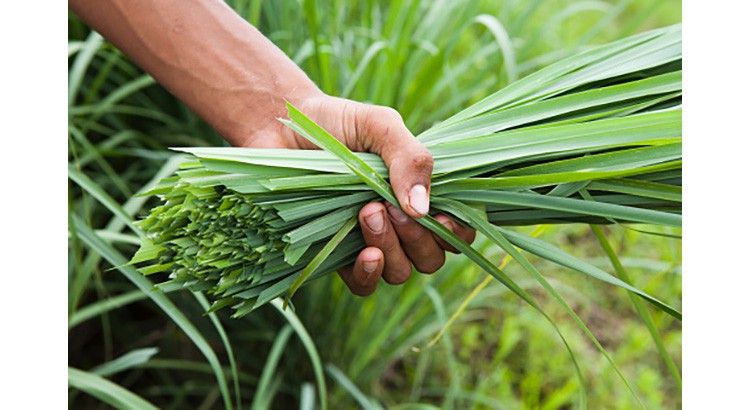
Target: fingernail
[375, 222]
[370, 266]
[397, 215]
[418, 199]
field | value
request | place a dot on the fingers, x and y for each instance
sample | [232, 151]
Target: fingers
[466, 234]
[381, 130]
[362, 277]
[395, 242]
[378, 232]
[417, 241]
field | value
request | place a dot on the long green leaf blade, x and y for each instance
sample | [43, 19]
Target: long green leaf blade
[106, 391]
[161, 300]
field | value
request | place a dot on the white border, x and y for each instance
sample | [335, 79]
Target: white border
[33, 142]
[715, 245]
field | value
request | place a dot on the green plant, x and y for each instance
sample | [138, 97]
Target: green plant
[588, 139]
[243, 223]
[121, 123]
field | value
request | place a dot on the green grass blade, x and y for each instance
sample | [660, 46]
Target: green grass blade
[504, 42]
[147, 287]
[550, 252]
[106, 391]
[321, 256]
[310, 181]
[136, 202]
[307, 397]
[262, 399]
[122, 92]
[499, 275]
[530, 144]
[97, 192]
[227, 345]
[321, 227]
[306, 209]
[351, 388]
[639, 188]
[548, 81]
[93, 152]
[632, 158]
[309, 345]
[320, 137]
[103, 306]
[477, 221]
[283, 162]
[574, 206]
[639, 307]
[369, 55]
[536, 181]
[551, 108]
[128, 360]
[77, 71]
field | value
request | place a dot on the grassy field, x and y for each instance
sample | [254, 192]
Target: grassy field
[427, 60]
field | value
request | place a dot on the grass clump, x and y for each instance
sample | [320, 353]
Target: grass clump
[594, 138]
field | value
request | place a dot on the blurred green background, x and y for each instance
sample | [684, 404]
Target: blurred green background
[427, 59]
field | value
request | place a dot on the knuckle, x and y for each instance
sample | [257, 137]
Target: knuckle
[375, 124]
[422, 160]
[387, 113]
[391, 246]
[385, 122]
[379, 118]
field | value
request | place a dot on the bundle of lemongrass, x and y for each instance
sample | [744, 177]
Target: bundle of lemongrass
[595, 138]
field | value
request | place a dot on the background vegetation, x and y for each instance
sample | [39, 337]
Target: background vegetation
[427, 59]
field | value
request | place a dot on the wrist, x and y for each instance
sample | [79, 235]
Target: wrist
[250, 118]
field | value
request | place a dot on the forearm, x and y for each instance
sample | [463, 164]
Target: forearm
[219, 65]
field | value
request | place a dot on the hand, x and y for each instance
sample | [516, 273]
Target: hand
[394, 240]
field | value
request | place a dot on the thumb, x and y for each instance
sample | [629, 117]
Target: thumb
[382, 130]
